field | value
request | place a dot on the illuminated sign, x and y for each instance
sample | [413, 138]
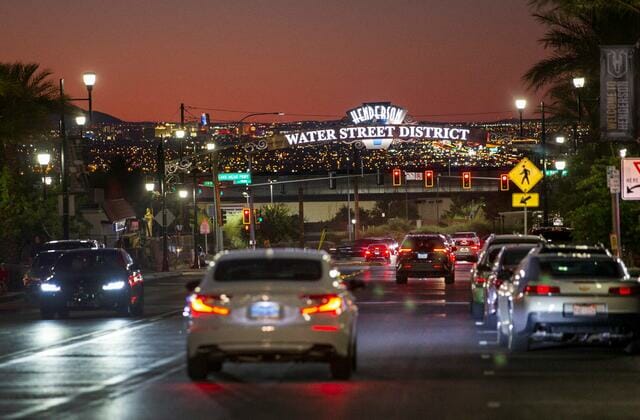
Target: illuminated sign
[380, 111]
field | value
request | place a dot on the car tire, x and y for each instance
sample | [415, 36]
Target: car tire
[449, 278]
[341, 367]
[197, 367]
[518, 342]
[137, 309]
[476, 310]
[401, 278]
[47, 313]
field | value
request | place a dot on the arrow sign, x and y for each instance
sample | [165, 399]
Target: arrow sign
[630, 178]
[525, 200]
[630, 189]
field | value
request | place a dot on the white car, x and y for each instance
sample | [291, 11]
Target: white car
[271, 305]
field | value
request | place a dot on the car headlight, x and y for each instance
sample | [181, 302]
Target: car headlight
[113, 285]
[49, 287]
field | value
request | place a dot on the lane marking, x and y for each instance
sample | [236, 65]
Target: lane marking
[493, 404]
[489, 373]
[111, 382]
[485, 356]
[79, 340]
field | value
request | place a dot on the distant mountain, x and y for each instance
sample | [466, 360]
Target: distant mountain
[98, 118]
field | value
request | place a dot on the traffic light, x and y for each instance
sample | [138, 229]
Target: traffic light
[246, 216]
[428, 179]
[259, 218]
[504, 182]
[396, 177]
[466, 180]
[379, 177]
[332, 180]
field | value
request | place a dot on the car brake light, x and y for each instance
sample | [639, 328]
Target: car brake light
[202, 304]
[480, 280]
[324, 328]
[624, 291]
[135, 278]
[404, 250]
[322, 304]
[439, 249]
[541, 289]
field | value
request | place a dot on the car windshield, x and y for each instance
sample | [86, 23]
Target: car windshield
[262, 269]
[571, 268]
[76, 262]
[464, 235]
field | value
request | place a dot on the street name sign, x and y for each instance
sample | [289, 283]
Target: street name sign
[236, 177]
[630, 178]
[525, 175]
[525, 200]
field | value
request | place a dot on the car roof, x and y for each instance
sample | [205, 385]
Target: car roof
[574, 256]
[66, 241]
[273, 253]
[90, 250]
[514, 238]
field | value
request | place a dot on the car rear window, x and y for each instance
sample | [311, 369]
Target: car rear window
[89, 261]
[45, 259]
[512, 257]
[423, 242]
[66, 245]
[262, 269]
[581, 268]
[464, 235]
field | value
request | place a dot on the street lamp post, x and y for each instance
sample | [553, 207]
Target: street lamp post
[252, 225]
[163, 197]
[521, 105]
[543, 141]
[89, 79]
[578, 83]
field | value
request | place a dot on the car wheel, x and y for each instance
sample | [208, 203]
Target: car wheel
[137, 309]
[341, 367]
[476, 310]
[401, 278]
[197, 367]
[47, 313]
[518, 342]
[449, 278]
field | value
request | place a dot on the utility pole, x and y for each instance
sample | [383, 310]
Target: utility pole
[301, 214]
[356, 209]
[545, 201]
[163, 196]
[63, 166]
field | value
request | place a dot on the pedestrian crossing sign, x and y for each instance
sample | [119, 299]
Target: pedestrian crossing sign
[525, 175]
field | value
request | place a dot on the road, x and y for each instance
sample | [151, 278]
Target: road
[420, 354]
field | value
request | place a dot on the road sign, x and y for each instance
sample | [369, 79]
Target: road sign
[170, 217]
[630, 187]
[205, 229]
[613, 179]
[525, 175]
[236, 177]
[525, 199]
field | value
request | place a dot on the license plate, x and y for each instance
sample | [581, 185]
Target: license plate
[464, 249]
[423, 256]
[376, 252]
[264, 310]
[585, 310]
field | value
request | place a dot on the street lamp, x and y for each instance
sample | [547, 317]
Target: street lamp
[561, 165]
[521, 104]
[252, 227]
[560, 139]
[43, 160]
[578, 83]
[150, 186]
[211, 146]
[89, 79]
[623, 153]
[183, 193]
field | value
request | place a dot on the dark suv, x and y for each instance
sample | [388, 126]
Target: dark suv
[425, 255]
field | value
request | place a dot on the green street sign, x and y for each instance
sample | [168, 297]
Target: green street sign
[551, 172]
[236, 177]
[208, 183]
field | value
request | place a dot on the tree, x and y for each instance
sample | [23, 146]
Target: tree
[278, 225]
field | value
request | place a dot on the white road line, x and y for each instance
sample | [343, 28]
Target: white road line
[489, 373]
[119, 379]
[485, 356]
[77, 341]
[493, 404]
[482, 342]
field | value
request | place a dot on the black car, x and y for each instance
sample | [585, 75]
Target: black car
[68, 244]
[38, 272]
[425, 255]
[103, 278]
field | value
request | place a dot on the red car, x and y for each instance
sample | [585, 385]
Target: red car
[377, 252]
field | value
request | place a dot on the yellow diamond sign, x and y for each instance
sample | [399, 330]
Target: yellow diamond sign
[525, 175]
[525, 200]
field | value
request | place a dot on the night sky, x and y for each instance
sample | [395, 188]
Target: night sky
[310, 59]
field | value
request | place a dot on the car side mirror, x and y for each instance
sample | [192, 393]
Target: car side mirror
[191, 286]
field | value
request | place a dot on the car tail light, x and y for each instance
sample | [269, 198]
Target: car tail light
[322, 304]
[203, 304]
[135, 278]
[541, 289]
[480, 280]
[439, 249]
[404, 250]
[324, 328]
[367, 252]
[625, 291]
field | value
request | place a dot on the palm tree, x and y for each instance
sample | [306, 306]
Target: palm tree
[576, 29]
[28, 97]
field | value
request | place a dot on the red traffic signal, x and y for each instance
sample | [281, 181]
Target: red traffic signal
[504, 182]
[466, 180]
[428, 179]
[246, 216]
[396, 177]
